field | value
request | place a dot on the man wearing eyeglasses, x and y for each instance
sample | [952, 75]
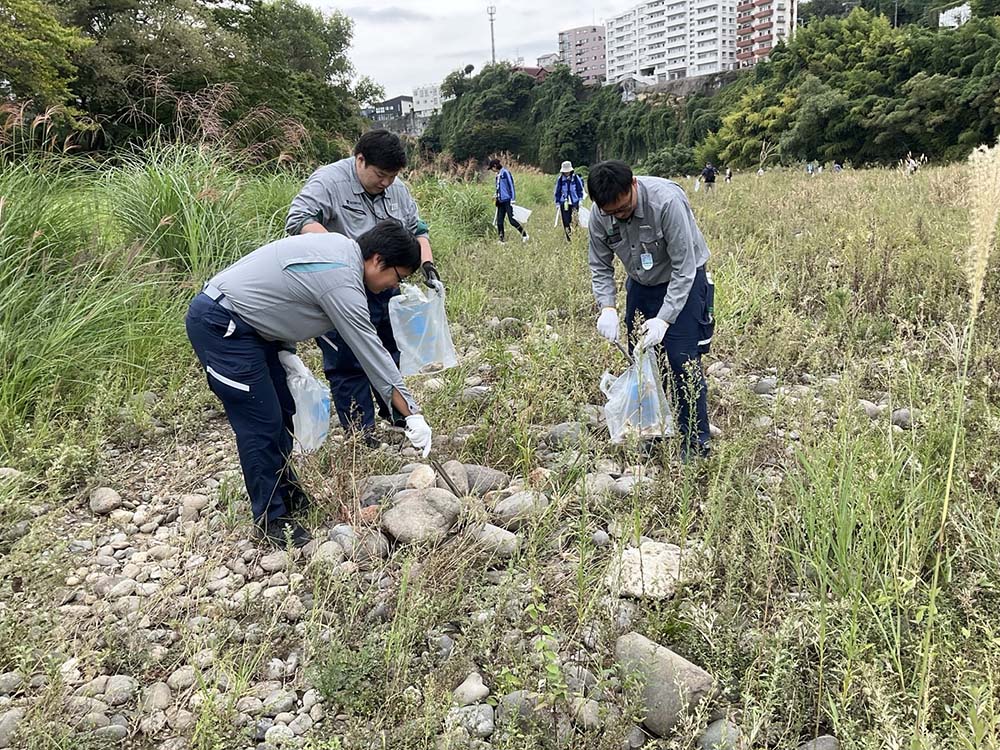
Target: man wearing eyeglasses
[350, 197]
[648, 224]
[244, 326]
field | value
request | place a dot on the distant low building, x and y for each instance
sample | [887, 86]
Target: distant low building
[549, 61]
[390, 109]
[539, 74]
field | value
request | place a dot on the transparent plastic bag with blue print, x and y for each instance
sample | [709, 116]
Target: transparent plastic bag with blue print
[637, 405]
[420, 326]
[311, 420]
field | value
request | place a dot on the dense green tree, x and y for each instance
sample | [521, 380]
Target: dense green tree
[36, 53]
[985, 8]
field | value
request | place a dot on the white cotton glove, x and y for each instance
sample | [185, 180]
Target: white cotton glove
[653, 331]
[607, 324]
[294, 366]
[418, 432]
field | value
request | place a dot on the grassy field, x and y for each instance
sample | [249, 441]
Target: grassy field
[847, 570]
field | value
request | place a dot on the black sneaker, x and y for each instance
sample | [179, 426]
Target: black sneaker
[297, 501]
[282, 531]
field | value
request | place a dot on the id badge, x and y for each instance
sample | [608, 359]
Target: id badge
[646, 260]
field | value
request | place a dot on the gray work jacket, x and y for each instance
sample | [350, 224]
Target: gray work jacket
[663, 226]
[334, 197]
[301, 287]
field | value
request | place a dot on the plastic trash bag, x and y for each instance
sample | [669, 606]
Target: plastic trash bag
[420, 326]
[521, 213]
[584, 217]
[311, 420]
[637, 404]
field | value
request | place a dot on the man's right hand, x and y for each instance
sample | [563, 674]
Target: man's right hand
[607, 324]
[293, 364]
[418, 432]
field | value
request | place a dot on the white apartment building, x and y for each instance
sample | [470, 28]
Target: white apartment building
[427, 100]
[761, 24]
[955, 17]
[662, 40]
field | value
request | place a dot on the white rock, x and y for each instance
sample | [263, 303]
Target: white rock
[648, 571]
[421, 478]
[328, 553]
[472, 690]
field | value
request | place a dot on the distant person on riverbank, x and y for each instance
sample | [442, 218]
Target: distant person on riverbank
[708, 175]
[729, 174]
[503, 197]
[568, 195]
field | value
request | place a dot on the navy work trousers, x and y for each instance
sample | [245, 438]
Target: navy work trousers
[349, 386]
[243, 370]
[687, 339]
[506, 211]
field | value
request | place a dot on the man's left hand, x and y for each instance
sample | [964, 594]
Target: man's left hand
[653, 331]
[431, 276]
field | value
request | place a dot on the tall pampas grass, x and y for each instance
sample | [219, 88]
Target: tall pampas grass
[984, 165]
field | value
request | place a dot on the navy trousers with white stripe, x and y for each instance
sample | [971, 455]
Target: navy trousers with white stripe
[687, 338]
[244, 371]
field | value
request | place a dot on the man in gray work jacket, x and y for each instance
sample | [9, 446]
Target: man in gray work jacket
[648, 224]
[244, 326]
[349, 197]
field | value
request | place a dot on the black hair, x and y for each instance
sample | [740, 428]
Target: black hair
[382, 149]
[391, 240]
[608, 180]
[494, 164]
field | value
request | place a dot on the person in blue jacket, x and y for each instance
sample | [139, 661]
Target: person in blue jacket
[568, 195]
[503, 198]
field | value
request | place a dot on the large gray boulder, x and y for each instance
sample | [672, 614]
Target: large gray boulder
[520, 507]
[670, 683]
[417, 516]
[458, 475]
[495, 541]
[378, 487]
[483, 479]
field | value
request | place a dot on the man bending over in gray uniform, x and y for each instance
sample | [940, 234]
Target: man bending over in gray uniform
[244, 326]
[351, 196]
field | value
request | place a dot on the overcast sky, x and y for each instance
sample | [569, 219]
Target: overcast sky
[402, 44]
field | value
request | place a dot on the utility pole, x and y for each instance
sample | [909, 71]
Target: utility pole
[492, 11]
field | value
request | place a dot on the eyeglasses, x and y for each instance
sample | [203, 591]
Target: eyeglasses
[396, 271]
[623, 207]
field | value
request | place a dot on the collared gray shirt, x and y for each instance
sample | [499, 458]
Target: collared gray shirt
[664, 230]
[301, 287]
[334, 197]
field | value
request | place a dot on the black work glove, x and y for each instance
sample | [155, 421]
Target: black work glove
[431, 276]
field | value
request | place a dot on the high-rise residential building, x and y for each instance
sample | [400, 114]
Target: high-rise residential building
[584, 51]
[761, 24]
[426, 100]
[548, 61]
[662, 40]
